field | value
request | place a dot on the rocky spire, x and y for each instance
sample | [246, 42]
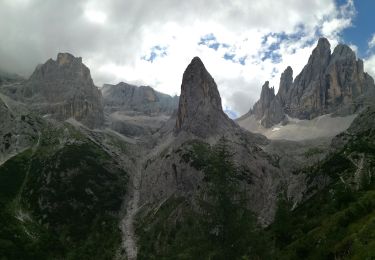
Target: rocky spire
[310, 80]
[268, 108]
[266, 96]
[200, 111]
[267, 93]
[63, 89]
[286, 82]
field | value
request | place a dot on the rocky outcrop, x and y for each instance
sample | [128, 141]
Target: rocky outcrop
[63, 88]
[329, 83]
[199, 110]
[144, 99]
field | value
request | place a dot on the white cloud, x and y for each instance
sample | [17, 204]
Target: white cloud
[95, 16]
[371, 43]
[113, 36]
[338, 20]
[369, 65]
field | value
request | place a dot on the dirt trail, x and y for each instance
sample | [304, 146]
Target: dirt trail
[129, 242]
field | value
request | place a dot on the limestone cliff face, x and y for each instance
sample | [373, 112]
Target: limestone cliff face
[304, 96]
[200, 111]
[329, 83]
[346, 79]
[64, 89]
[144, 99]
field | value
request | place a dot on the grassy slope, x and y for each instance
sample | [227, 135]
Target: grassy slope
[15, 243]
[339, 221]
[72, 191]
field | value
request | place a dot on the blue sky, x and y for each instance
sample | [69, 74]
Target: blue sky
[363, 27]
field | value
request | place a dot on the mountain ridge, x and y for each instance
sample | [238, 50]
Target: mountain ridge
[144, 99]
[136, 110]
[329, 83]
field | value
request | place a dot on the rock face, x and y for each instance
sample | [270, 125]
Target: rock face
[199, 110]
[64, 89]
[329, 83]
[142, 99]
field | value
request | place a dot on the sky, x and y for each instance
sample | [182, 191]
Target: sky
[242, 43]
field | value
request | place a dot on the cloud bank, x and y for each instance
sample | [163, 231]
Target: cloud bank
[242, 42]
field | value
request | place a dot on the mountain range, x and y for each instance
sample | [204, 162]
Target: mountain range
[329, 83]
[127, 172]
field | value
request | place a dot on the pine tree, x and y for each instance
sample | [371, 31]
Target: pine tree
[229, 225]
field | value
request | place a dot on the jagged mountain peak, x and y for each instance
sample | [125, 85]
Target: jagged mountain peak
[200, 111]
[65, 66]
